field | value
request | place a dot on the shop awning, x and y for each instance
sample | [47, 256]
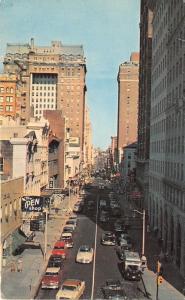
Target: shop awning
[18, 238]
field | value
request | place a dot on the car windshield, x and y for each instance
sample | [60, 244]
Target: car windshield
[133, 268]
[51, 273]
[69, 287]
[85, 249]
[59, 247]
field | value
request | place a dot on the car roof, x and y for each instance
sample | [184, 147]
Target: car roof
[72, 282]
[65, 234]
[53, 269]
[60, 243]
[85, 247]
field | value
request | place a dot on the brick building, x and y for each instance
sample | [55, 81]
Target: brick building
[9, 98]
[128, 78]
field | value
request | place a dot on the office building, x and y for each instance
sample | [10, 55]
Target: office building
[128, 78]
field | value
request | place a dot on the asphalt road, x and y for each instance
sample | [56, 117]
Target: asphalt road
[106, 264]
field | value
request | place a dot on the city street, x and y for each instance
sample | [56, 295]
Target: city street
[106, 263]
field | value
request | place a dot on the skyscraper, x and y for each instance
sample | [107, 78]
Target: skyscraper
[53, 78]
[167, 122]
[128, 77]
[144, 105]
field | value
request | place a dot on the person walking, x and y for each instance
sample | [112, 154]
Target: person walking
[19, 265]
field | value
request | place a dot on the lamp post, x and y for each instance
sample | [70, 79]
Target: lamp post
[143, 236]
[46, 234]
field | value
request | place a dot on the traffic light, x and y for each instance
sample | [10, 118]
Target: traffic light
[159, 280]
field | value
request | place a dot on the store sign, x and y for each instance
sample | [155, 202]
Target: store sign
[36, 225]
[32, 203]
[74, 141]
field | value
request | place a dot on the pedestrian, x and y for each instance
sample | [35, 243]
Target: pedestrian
[13, 266]
[19, 265]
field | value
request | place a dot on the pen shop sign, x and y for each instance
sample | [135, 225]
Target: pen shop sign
[32, 203]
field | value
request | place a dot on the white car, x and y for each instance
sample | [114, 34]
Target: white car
[71, 289]
[85, 255]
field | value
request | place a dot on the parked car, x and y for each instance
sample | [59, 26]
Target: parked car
[108, 239]
[114, 290]
[51, 278]
[55, 261]
[68, 241]
[68, 228]
[77, 208]
[59, 249]
[71, 289]
[71, 223]
[120, 250]
[85, 254]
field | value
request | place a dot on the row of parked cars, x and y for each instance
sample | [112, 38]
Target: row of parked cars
[71, 288]
[118, 236]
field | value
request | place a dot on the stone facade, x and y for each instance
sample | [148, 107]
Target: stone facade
[167, 151]
[53, 77]
[11, 215]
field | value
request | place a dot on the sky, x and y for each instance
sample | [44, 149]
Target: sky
[108, 31]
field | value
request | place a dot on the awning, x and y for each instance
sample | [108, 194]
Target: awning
[18, 238]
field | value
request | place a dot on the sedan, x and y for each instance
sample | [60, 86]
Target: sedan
[113, 290]
[108, 239]
[71, 289]
[68, 229]
[85, 254]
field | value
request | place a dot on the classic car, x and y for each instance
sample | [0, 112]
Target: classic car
[51, 278]
[59, 249]
[71, 289]
[84, 254]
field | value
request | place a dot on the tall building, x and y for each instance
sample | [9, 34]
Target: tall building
[144, 104]
[128, 77]
[167, 133]
[53, 78]
[9, 99]
[88, 148]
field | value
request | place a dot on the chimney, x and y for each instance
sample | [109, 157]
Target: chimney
[32, 43]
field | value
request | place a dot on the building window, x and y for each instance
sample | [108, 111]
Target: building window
[1, 164]
[1, 89]
[1, 98]
[1, 108]
[9, 108]
[9, 99]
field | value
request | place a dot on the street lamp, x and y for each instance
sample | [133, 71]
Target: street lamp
[143, 258]
[46, 234]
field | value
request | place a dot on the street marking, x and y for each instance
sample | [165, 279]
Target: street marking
[95, 245]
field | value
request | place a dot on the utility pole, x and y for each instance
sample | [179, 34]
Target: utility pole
[46, 235]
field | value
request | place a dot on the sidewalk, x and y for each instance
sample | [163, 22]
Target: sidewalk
[173, 282]
[24, 285]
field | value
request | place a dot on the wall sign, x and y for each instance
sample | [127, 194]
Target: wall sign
[32, 203]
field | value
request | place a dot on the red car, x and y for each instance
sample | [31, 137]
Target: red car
[60, 249]
[51, 279]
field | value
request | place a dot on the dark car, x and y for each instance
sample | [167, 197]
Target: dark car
[121, 251]
[68, 229]
[113, 290]
[132, 273]
[55, 261]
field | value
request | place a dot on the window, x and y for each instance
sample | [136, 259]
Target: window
[7, 90]
[9, 108]
[1, 108]
[1, 98]
[1, 164]
[1, 89]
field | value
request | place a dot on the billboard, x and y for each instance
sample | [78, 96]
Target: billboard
[32, 203]
[74, 141]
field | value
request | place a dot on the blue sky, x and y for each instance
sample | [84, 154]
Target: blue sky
[108, 30]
